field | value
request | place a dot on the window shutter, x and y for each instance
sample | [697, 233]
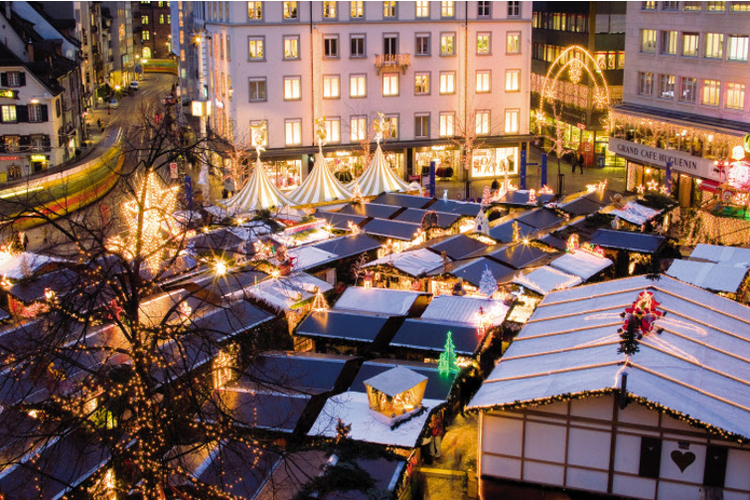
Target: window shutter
[45, 114]
[716, 466]
[650, 463]
[4, 79]
[24, 142]
[22, 79]
[46, 142]
[22, 114]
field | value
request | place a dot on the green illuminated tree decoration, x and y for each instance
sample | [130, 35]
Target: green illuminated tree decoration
[448, 361]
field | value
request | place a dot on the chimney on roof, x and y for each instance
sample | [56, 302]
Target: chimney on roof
[7, 10]
[30, 51]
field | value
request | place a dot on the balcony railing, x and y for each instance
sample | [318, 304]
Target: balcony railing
[392, 61]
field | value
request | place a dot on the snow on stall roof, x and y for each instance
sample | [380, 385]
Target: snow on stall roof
[582, 264]
[464, 310]
[546, 279]
[287, 291]
[11, 265]
[721, 254]
[716, 277]
[395, 381]
[412, 262]
[351, 407]
[699, 366]
[633, 212]
[309, 256]
[377, 300]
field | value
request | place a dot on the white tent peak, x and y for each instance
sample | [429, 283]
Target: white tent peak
[319, 187]
[257, 194]
[378, 177]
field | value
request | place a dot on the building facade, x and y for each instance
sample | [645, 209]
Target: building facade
[122, 58]
[599, 29]
[684, 94]
[152, 29]
[446, 75]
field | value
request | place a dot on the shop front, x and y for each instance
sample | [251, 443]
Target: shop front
[494, 163]
[348, 165]
[12, 167]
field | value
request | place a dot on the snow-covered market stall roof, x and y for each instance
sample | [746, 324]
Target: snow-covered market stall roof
[349, 246]
[258, 193]
[471, 271]
[439, 384]
[465, 310]
[320, 186]
[379, 300]
[581, 263]
[395, 381]
[404, 231]
[369, 210]
[412, 262]
[546, 279]
[288, 292]
[415, 216]
[696, 369]
[521, 255]
[722, 254]
[345, 326]
[633, 212]
[378, 177]
[352, 407]
[627, 240]
[457, 246]
[708, 275]
[24, 264]
[430, 335]
[523, 197]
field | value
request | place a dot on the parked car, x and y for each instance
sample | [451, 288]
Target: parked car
[113, 104]
[134, 85]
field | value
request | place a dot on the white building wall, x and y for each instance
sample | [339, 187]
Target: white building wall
[571, 445]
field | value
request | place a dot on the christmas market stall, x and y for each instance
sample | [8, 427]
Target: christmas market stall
[546, 279]
[631, 387]
[630, 251]
[583, 260]
[729, 281]
[465, 277]
[383, 301]
[345, 332]
[21, 296]
[370, 210]
[523, 197]
[459, 246]
[402, 270]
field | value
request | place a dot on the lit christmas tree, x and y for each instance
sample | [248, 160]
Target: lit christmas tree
[487, 283]
[448, 363]
[486, 197]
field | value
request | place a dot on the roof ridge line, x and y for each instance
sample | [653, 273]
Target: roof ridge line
[554, 372]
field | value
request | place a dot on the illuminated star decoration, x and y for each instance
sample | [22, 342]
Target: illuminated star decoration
[114, 309]
[321, 132]
[641, 189]
[664, 190]
[146, 214]
[652, 185]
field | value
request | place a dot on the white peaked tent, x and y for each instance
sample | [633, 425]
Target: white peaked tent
[257, 194]
[319, 187]
[378, 177]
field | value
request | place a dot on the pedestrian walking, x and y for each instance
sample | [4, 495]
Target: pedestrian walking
[580, 160]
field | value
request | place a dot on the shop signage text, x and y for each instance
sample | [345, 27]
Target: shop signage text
[9, 94]
[657, 157]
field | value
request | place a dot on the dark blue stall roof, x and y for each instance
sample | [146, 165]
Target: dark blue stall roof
[430, 336]
[340, 221]
[228, 469]
[60, 281]
[522, 198]
[359, 327]
[504, 232]
[305, 372]
[471, 271]
[231, 282]
[541, 218]
[458, 246]
[415, 215]
[520, 256]
[392, 229]
[349, 246]
[456, 207]
[274, 411]
[627, 240]
[402, 200]
[370, 210]
[554, 242]
[581, 206]
[438, 384]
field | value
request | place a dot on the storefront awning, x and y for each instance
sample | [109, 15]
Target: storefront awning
[710, 186]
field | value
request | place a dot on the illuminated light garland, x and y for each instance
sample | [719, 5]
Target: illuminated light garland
[320, 304]
[546, 190]
[391, 246]
[353, 228]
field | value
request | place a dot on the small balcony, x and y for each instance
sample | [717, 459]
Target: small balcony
[392, 61]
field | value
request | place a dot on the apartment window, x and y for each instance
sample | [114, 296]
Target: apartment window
[145, 35]
[483, 8]
[421, 83]
[292, 88]
[511, 120]
[691, 6]
[331, 86]
[358, 128]
[483, 43]
[666, 86]
[37, 142]
[291, 47]
[688, 89]
[257, 125]
[512, 80]
[390, 45]
[711, 92]
[422, 44]
[447, 124]
[423, 8]
[484, 78]
[291, 10]
[669, 5]
[737, 48]
[483, 122]
[690, 44]
[12, 142]
[392, 132]
[333, 128]
[645, 83]
[447, 82]
[330, 10]
[331, 46]
[735, 98]
[35, 113]
[390, 84]
[255, 48]
[357, 45]
[669, 43]
[356, 10]
[447, 44]
[293, 129]
[650, 5]
[739, 6]
[447, 9]
[648, 41]
[389, 8]
[144, 19]
[513, 42]
[161, 18]
[421, 125]
[9, 113]
[716, 6]
[714, 44]
[228, 48]
[255, 10]
[514, 9]
[358, 86]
